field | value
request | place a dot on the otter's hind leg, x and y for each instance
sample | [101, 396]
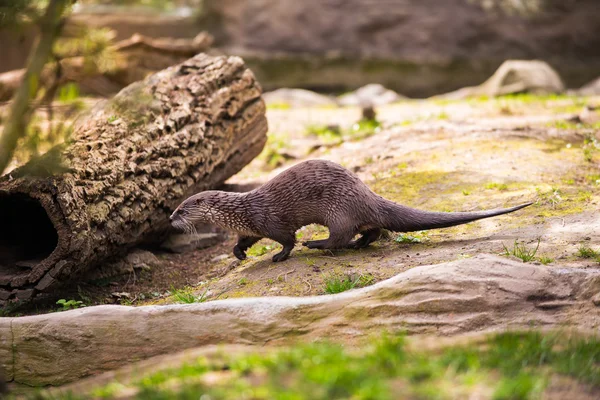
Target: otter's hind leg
[368, 237]
[243, 244]
[287, 240]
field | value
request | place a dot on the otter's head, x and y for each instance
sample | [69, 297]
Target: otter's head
[201, 207]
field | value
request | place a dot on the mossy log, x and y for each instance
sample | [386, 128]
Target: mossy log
[129, 163]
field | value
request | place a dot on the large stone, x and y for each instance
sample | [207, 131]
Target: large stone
[515, 76]
[590, 89]
[480, 293]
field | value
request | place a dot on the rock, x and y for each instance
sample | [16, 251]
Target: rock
[135, 260]
[298, 98]
[590, 89]
[596, 300]
[515, 76]
[183, 243]
[519, 76]
[483, 292]
[372, 94]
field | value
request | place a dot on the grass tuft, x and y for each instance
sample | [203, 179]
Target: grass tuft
[587, 252]
[337, 283]
[186, 296]
[520, 250]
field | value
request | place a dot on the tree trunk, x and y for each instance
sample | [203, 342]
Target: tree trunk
[130, 162]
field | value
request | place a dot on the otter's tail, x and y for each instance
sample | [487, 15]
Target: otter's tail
[399, 218]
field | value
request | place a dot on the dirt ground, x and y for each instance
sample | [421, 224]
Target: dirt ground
[431, 154]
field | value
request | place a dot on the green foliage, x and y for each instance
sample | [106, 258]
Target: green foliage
[15, 13]
[509, 365]
[272, 153]
[590, 147]
[258, 249]
[187, 296]
[587, 252]
[545, 260]
[520, 250]
[69, 304]
[333, 134]
[337, 283]
[415, 237]
[94, 45]
[497, 186]
[550, 197]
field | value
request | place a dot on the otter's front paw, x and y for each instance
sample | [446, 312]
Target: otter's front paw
[239, 253]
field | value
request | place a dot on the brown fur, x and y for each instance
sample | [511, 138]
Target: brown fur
[312, 192]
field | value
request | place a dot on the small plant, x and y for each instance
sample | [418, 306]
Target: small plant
[545, 260]
[364, 128]
[243, 281]
[521, 251]
[272, 155]
[336, 283]
[186, 296]
[587, 252]
[417, 237]
[552, 197]
[327, 133]
[259, 250]
[69, 304]
[497, 186]
[466, 192]
[112, 119]
[590, 147]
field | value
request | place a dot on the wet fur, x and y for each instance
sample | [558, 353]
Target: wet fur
[312, 192]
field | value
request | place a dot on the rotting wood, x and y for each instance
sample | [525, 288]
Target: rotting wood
[131, 161]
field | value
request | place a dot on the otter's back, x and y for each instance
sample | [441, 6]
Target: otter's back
[312, 191]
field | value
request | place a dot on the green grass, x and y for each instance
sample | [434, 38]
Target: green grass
[415, 237]
[520, 250]
[509, 365]
[587, 252]
[333, 134]
[69, 304]
[186, 296]
[258, 249]
[545, 260]
[337, 283]
[497, 186]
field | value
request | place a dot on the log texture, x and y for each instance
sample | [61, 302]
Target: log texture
[130, 162]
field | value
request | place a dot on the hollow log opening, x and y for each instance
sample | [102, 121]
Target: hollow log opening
[27, 235]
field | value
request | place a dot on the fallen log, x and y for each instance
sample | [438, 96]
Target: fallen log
[130, 162]
[136, 58]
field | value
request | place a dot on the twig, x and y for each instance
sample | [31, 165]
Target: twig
[285, 274]
[308, 283]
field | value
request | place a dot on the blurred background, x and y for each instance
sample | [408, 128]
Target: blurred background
[417, 47]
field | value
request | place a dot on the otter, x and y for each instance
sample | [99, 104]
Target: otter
[312, 192]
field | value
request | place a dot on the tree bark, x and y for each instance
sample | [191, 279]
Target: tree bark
[130, 162]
